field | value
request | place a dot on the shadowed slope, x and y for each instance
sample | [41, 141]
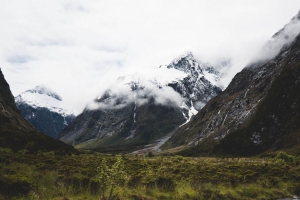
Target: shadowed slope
[17, 133]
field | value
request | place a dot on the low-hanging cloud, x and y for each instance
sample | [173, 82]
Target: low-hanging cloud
[282, 38]
[140, 89]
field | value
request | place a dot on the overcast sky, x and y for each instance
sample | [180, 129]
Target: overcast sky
[78, 48]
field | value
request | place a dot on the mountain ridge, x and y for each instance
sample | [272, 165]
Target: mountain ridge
[229, 122]
[45, 109]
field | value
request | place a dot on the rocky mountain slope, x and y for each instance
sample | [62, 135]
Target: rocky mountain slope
[258, 111]
[140, 109]
[45, 109]
[16, 133]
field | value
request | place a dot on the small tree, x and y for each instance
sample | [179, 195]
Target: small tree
[111, 178]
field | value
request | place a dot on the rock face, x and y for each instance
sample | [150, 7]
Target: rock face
[258, 111]
[45, 109]
[140, 109]
[200, 84]
[9, 112]
[17, 133]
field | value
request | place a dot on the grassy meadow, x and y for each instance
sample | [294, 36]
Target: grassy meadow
[90, 175]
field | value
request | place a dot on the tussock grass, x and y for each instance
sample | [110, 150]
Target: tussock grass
[73, 177]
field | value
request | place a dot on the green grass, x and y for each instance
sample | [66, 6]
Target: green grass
[49, 176]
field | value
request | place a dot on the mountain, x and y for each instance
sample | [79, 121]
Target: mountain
[45, 109]
[16, 133]
[259, 110]
[143, 108]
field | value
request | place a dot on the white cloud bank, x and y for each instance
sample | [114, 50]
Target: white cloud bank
[140, 88]
[283, 37]
[78, 48]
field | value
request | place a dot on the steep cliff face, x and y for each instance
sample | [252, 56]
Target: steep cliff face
[17, 133]
[45, 110]
[143, 108]
[257, 112]
[9, 114]
[276, 123]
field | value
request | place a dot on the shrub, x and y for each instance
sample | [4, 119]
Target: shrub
[94, 186]
[150, 154]
[32, 147]
[296, 189]
[134, 181]
[165, 184]
[15, 184]
[208, 193]
[285, 157]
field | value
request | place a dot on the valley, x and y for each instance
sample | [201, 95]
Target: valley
[172, 131]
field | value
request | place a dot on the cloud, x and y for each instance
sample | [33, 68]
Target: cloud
[282, 38]
[79, 48]
[19, 59]
[138, 89]
[75, 7]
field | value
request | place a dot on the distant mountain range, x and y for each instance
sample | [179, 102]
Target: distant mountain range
[45, 109]
[143, 108]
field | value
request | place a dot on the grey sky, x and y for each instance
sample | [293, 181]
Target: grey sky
[78, 48]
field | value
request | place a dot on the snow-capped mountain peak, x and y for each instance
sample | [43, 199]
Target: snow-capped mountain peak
[45, 110]
[43, 97]
[197, 69]
[157, 76]
[182, 67]
[185, 83]
[41, 89]
[188, 55]
[187, 63]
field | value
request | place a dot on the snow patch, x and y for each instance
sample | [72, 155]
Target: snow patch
[246, 93]
[211, 77]
[192, 112]
[225, 118]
